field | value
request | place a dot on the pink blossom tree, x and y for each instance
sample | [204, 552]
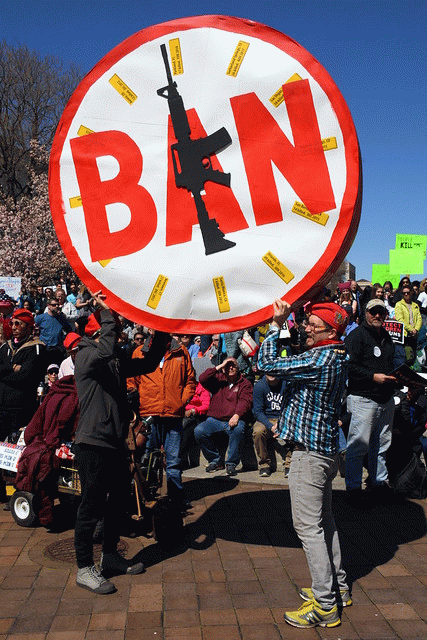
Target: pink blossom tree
[28, 243]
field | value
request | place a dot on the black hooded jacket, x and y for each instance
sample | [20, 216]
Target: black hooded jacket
[100, 373]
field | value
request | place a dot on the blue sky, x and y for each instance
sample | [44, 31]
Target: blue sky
[375, 50]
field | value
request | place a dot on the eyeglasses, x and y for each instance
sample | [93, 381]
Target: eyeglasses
[406, 293]
[138, 339]
[315, 327]
[53, 304]
[17, 323]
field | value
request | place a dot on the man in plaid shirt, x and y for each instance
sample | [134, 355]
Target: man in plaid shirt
[309, 421]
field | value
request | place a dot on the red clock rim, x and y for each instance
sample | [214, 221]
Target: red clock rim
[348, 220]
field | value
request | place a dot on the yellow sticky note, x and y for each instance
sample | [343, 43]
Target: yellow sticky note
[84, 131]
[76, 202]
[221, 294]
[278, 267]
[277, 98]
[329, 143]
[176, 57]
[122, 88]
[157, 291]
[300, 209]
[237, 59]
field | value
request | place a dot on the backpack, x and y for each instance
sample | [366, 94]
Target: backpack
[411, 482]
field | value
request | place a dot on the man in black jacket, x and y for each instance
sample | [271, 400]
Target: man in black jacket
[370, 401]
[22, 367]
[100, 375]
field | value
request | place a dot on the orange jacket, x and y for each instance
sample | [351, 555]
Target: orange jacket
[166, 390]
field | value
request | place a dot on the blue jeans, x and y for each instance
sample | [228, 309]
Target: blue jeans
[369, 432]
[168, 432]
[204, 432]
[310, 487]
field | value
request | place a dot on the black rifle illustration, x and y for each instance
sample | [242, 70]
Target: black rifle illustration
[192, 163]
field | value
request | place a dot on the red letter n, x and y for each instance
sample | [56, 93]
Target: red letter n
[303, 164]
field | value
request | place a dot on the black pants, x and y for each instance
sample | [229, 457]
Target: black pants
[104, 476]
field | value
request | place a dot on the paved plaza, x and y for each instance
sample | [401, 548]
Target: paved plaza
[240, 568]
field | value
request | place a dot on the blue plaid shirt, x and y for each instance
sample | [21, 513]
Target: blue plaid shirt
[312, 399]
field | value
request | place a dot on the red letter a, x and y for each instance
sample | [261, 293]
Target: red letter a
[181, 213]
[124, 188]
[262, 142]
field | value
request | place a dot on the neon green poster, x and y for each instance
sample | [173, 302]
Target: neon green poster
[381, 273]
[410, 241]
[406, 261]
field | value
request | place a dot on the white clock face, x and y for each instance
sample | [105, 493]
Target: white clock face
[194, 201]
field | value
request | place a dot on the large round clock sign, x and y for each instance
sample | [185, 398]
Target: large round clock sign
[204, 167]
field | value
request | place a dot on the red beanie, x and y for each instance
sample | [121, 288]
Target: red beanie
[92, 324]
[331, 313]
[72, 340]
[24, 315]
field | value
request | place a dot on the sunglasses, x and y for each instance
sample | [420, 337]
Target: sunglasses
[377, 311]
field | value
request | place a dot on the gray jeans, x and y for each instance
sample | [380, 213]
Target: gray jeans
[369, 432]
[310, 487]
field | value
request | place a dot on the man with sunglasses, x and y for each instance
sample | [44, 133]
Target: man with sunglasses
[370, 403]
[22, 367]
[315, 383]
[53, 328]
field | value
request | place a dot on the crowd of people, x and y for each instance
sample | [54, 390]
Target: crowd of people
[315, 386]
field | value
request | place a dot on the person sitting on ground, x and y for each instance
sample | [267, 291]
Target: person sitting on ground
[228, 412]
[268, 399]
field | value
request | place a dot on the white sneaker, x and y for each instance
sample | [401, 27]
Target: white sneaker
[92, 579]
[114, 563]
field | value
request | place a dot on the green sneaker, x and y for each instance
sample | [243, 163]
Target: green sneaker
[310, 614]
[346, 601]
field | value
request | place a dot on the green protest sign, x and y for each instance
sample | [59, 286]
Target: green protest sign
[410, 241]
[406, 261]
[381, 273]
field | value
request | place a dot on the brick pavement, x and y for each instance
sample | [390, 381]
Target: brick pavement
[240, 569]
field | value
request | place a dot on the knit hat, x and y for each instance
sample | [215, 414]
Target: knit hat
[331, 313]
[24, 315]
[71, 341]
[92, 327]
